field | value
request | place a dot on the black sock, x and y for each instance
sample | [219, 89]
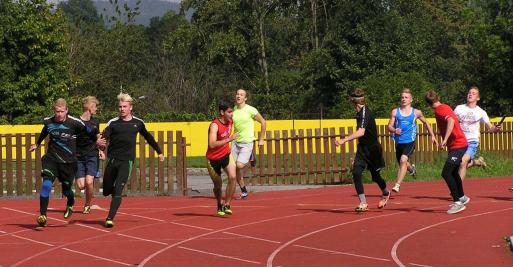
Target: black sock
[114, 206]
[243, 189]
[43, 204]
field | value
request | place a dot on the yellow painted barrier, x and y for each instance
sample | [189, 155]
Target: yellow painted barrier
[196, 132]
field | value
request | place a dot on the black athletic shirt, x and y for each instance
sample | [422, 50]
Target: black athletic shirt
[86, 146]
[62, 145]
[365, 119]
[122, 138]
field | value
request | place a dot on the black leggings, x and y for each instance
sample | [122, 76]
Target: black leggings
[451, 174]
[371, 158]
[115, 177]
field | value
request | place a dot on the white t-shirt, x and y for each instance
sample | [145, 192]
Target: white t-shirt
[469, 120]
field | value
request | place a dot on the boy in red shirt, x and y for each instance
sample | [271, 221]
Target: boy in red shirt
[219, 157]
[456, 143]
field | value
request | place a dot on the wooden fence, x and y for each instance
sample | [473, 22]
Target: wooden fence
[306, 156]
[311, 157]
[20, 170]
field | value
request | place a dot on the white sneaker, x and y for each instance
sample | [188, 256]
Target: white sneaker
[464, 200]
[396, 188]
[456, 207]
[413, 170]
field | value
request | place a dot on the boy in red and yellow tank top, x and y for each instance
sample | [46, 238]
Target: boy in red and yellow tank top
[218, 156]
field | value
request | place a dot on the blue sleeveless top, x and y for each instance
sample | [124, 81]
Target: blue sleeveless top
[407, 125]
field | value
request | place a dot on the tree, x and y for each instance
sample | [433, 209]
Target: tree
[32, 58]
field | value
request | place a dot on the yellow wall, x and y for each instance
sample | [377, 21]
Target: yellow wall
[196, 132]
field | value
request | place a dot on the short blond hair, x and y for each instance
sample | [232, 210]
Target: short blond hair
[407, 91]
[61, 102]
[86, 101]
[123, 97]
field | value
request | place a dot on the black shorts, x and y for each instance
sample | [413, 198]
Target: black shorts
[370, 156]
[217, 165]
[404, 149]
[62, 171]
[454, 156]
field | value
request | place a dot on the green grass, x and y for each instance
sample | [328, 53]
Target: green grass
[497, 166]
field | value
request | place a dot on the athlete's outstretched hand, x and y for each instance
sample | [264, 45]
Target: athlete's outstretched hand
[434, 141]
[101, 155]
[161, 157]
[33, 147]
[340, 142]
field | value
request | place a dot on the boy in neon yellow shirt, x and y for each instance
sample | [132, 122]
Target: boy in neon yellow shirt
[244, 116]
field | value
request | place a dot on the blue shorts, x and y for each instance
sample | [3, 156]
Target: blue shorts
[88, 165]
[472, 149]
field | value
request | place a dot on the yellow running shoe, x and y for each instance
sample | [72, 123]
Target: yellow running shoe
[41, 220]
[68, 212]
[109, 223]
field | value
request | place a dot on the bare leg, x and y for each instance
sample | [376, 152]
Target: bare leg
[465, 163]
[230, 187]
[89, 189]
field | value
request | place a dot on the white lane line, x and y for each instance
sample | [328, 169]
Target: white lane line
[276, 251]
[219, 255]
[144, 239]
[98, 257]
[343, 253]
[252, 237]
[32, 240]
[192, 226]
[148, 258]
[421, 265]
[393, 252]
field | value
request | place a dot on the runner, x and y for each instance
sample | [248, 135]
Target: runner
[218, 156]
[60, 160]
[403, 126]
[470, 115]
[368, 152]
[244, 116]
[456, 143]
[121, 133]
[87, 152]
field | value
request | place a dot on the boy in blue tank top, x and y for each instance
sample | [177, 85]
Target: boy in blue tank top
[403, 126]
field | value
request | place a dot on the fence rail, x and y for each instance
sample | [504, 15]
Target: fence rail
[305, 156]
[20, 170]
[311, 156]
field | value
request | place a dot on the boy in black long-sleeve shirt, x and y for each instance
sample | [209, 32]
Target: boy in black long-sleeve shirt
[121, 133]
[60, 160]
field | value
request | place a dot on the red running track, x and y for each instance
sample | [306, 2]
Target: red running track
[311, 227]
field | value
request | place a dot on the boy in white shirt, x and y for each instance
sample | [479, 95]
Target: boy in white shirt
[470, 116]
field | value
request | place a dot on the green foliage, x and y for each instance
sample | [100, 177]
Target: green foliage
[33, 64]
[298, 59]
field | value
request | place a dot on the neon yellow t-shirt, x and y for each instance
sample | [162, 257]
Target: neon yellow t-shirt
[243, 123]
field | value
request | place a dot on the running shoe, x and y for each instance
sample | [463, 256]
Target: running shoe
[396, 188]
[243, 195]
[87, 209]
[456, 207]
[413, 170]
[41, 220]
[362, 207]
[464, 200]
[68, 212]
[481, 162]
[220, 212]
[384, 199]
[227, 209]
[109, 223]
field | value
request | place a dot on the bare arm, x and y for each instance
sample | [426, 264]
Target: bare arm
[450, 127]
[421, 117]
[263, 128]
[391, 123]
[359, 133]
[212, 137]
